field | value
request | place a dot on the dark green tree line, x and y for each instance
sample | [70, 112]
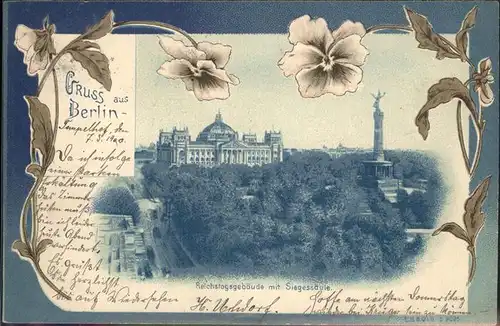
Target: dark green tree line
[301, 216]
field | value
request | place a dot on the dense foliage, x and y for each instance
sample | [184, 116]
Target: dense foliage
[302, 216]
[118, 201]
[418, 209]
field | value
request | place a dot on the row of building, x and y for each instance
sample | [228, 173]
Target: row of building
[217, 144]
[121, 245]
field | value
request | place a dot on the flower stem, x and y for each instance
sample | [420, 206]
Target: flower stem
[479, 147]
[34, 225]
[56, 107]
[164, 26]
[404, 28]
[480, 111]
[472, 269]
[479, 126]
[461, 136]
[48, 281]
[453, 46]
[32, 194]
[393, 27]
[51, 66]
[24, 211]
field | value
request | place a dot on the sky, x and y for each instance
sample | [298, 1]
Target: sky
[265, 99]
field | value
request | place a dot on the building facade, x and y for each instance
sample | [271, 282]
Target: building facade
[217, 144]
[144, 155]
[121, 245]
[341, 150]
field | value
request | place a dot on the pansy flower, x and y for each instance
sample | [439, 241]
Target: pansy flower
[201, 68]
[482, 80]
[36, 44]
[324, 61]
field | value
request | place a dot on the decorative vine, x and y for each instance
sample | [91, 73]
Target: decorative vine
[322, 62]
[207, 78]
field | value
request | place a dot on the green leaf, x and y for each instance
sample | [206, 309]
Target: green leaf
[42, 245]
[474, 216]
[96, 64]
[442, 92]
[427, 38]
[462, 38]
[102, 28]
[455, 229]
[42, 134]
[34, 169]
[84, 45]
[21, 248]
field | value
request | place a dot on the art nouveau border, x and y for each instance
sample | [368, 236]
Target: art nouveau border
[39, 52]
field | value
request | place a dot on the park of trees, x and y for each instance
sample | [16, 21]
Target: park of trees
[117, 201]
[298, 217]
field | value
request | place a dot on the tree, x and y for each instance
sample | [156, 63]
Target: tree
[420, 207]
[148, 273]
[150, 254]
[118, 201]
[300, 217]
[416, 246]
[156, 232]
[410, 219]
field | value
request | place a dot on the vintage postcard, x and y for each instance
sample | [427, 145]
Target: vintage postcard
[250, 162]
